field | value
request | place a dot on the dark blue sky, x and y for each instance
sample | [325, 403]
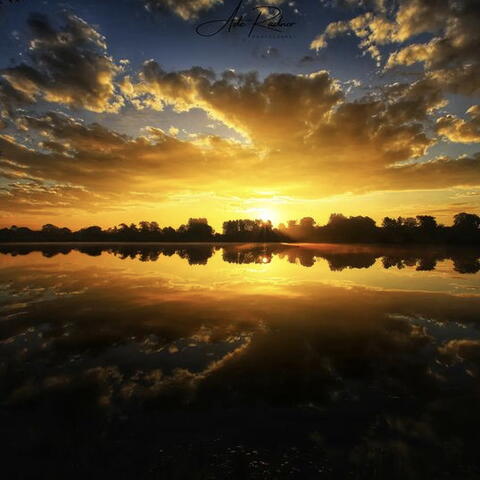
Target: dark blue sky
[133, 32]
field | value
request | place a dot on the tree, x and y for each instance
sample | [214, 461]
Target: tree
[53, 233]
[466, 221]
[292, 224]
[307, 222]
[427, 222]
[409, 222]
[91, 234]
[198, 229]
[389, 223]
[49, 228]
[144, 226]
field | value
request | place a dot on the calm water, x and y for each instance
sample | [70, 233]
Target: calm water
[239, 361]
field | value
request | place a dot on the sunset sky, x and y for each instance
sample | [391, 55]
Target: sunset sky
[119, 111]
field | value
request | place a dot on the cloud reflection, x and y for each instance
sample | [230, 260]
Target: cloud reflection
[100, 351]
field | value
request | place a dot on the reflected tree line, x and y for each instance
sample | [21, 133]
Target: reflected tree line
[422, 229]
[339, 257]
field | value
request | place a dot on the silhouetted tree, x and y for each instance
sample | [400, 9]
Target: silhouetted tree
[353, 229]
[339, 229]
[427, 222]
[466, 228]
[90, 234]
[466, 221]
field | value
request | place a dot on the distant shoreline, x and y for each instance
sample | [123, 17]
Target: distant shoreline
[419, 230]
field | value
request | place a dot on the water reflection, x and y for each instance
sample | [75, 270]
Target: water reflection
[338, 257]
[248, 367]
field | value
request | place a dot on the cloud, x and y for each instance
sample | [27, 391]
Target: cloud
[379, 130]
[336, 145]
[449, 55]
[85, 166]
[191, 9]
[288, 109]
[257, 339]
[305, 120]
[454, 46]
[441, 172]
[370, 29]
[185, 9]
[463, 350]
[39, 198]
[458, 130]
[10, 99]
[259, 109]
[67, 66]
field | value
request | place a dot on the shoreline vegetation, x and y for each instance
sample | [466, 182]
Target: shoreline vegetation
[422, 229]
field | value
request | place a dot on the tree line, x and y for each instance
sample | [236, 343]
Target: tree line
[422, 229]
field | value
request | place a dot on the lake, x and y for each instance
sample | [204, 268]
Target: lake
[239, 361]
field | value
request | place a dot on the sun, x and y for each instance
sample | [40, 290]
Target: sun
[266, 214]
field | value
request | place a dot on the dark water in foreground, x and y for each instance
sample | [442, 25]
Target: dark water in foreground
[241, 361]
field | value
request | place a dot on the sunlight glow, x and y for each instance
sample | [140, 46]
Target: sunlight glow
[266, 214]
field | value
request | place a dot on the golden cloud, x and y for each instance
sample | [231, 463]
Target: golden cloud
[459, 130]
[455, 43]
[356, 148]
[185, 9]
[191, 9]
[68, 66]
[261, 110]
[300, 118]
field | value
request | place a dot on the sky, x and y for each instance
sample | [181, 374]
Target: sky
[160, 110]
